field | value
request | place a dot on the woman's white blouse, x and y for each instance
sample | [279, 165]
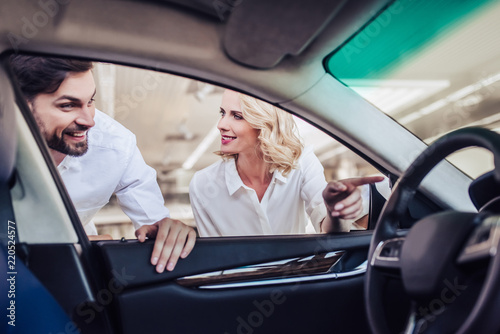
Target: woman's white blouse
[224, 206]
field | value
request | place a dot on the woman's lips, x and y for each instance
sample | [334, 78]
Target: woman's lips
[227, 139]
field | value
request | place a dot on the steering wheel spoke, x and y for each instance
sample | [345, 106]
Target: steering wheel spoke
[387, 254]
[412, 325]
[483, 243]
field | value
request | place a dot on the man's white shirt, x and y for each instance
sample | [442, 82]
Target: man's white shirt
[112, 164]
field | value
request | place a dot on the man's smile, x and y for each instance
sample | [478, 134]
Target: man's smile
[77, 134]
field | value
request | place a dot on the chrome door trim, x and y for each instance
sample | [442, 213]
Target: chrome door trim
[282, 272]
[361, 269]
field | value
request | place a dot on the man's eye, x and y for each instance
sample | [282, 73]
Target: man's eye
[92, 100]
[66, 106]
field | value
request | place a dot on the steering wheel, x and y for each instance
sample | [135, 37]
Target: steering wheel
[448, 263]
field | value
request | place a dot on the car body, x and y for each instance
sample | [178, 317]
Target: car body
[294, 54]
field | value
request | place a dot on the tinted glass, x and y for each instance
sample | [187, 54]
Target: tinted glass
[433, 66]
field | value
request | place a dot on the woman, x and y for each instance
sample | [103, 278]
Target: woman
[266, 181]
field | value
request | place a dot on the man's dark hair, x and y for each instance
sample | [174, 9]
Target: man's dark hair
[43, 75]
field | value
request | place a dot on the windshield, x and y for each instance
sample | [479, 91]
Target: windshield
[433, 66]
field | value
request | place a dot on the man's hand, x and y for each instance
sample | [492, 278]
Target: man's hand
[174, 239]
[343, 200]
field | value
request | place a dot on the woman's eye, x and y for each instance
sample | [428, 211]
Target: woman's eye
[222, 112]
[92, 100]
[236, 116]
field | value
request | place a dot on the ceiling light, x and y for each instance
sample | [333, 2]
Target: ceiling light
[391, 96]
[451, 98]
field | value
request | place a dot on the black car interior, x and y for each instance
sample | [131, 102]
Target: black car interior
[447, 261]
[485, 193]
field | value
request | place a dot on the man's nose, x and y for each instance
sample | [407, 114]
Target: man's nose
[86, 116]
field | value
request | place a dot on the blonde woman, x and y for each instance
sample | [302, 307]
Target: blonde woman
[266, 182]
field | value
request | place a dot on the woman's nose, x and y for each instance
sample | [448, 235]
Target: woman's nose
[222, 124]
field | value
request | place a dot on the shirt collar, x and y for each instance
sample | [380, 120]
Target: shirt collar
[65, 163]
[278, 176]
[69, 162]
[233, 179]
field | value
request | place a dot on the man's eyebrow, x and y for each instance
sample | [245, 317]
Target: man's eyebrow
[72, 98]
[69, 97]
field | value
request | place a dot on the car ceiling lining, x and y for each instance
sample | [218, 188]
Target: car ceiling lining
[260, 33]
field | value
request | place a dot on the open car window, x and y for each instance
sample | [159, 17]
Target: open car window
[175, 120]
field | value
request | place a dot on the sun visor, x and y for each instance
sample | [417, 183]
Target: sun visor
[260, 33]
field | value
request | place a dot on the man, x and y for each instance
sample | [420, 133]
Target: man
[96, 156]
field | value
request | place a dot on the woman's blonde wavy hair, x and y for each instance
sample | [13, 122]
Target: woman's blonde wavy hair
[278, 137]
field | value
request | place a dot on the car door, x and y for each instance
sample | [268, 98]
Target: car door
[292, 284]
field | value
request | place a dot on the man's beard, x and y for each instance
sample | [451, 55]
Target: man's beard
[58, 144]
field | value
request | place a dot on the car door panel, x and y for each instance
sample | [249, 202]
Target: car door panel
[311, 302]
[324, 307]
[211, 254]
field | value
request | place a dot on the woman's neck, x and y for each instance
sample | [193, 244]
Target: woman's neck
[253, 171]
